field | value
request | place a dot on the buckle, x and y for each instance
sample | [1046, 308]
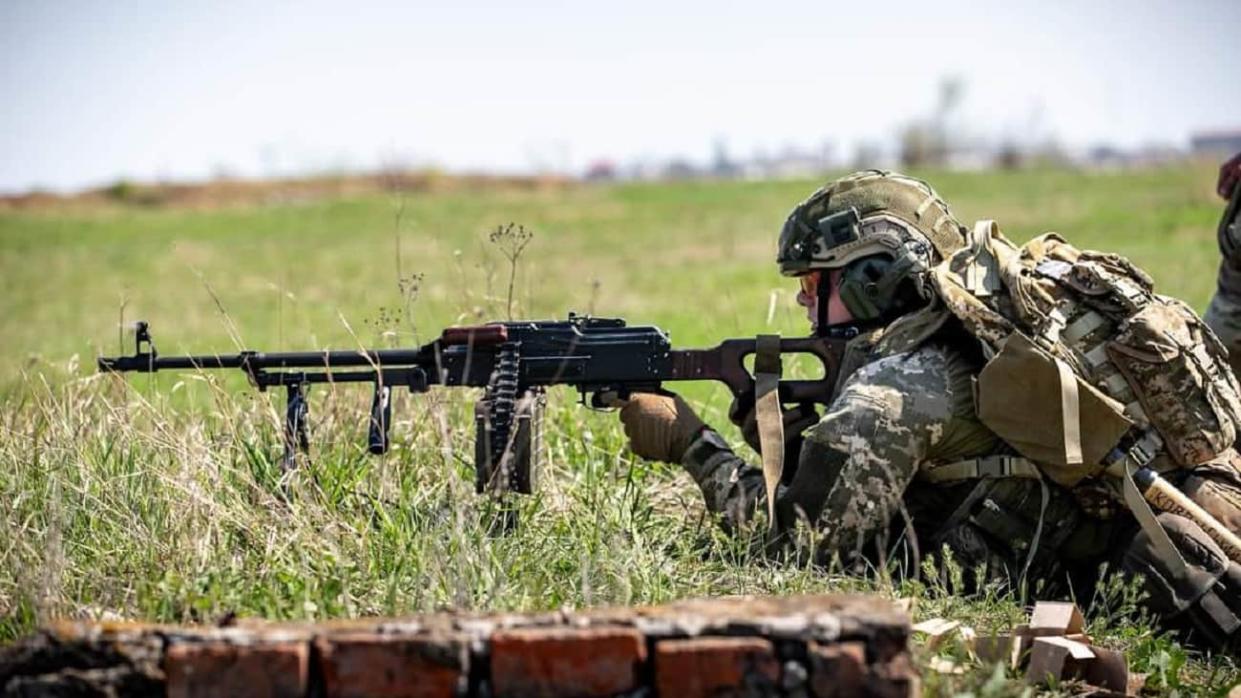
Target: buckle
[1142, 449]
[1141, 453]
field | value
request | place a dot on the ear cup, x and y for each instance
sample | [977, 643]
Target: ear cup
[869, 287]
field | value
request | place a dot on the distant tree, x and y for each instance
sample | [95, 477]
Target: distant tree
[929, 141]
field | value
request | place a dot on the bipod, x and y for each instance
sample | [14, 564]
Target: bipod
[297, 412]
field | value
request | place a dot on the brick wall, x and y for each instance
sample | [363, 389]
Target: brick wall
[792, 646]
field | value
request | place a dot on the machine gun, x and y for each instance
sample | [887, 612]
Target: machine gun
[514, 362]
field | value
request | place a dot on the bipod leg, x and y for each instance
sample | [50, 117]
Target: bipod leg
[501, 514]
[377, 440]
[297, 411]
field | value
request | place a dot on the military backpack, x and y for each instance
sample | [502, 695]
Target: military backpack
[1086, 364]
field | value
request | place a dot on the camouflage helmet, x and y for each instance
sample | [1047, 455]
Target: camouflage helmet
[865, 214]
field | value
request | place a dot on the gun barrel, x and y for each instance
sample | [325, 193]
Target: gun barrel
[146, 363]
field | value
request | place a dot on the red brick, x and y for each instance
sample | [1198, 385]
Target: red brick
[566, 661]
[837, 670]
[707, 666]
[391, 667]
[356, 665]
[221, 669]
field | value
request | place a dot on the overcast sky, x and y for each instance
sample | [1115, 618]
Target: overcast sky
[94, 91]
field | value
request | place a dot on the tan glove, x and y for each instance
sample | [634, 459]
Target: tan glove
[659, 427]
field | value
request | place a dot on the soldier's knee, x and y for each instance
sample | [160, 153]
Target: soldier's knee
[1216, 487]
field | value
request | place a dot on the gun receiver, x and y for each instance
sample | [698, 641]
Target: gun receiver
[514, 362]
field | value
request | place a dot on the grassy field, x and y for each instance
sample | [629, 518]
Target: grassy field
[158, 498]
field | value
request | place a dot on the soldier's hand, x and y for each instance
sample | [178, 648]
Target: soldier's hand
[1229, 177]
[659, 427]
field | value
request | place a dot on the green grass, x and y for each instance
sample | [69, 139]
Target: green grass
[158, 498]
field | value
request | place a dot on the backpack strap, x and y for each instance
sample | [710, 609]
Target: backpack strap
[1070, 411]
[980, 277]
[986, 466]
[1124, 466]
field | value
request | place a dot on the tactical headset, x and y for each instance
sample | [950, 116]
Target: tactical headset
[870, 287]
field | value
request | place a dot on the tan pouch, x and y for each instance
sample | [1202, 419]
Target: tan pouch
[1174, 366]
[1040, 407]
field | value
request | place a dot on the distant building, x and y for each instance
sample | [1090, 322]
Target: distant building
[680, 169]
[1226, 142]
[600, 171]
[790, 163]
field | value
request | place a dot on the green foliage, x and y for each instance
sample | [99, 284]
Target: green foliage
[161, 497]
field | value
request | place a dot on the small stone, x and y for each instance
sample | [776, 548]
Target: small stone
[794, 675]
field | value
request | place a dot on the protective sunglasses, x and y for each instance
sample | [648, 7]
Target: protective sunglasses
[810, 283]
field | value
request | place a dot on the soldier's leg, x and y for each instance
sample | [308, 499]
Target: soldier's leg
[1224, 313]
[996, 531]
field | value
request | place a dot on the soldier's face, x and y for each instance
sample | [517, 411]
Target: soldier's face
[808, 297]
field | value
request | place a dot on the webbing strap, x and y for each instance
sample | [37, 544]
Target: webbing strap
[768, 416]
[975, 275]
[1097, 357]
[1070, 411]
[1044, 499]
[1134, 411]
[982, 232]
[1141, 509]
[1086, 323]
[996, 467]
[1118, 386]
[986, 466]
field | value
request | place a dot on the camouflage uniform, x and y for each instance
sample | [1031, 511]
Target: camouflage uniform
[894, 415]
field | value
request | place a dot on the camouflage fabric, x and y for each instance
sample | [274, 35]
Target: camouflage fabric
[893, 417]
[809, 240]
